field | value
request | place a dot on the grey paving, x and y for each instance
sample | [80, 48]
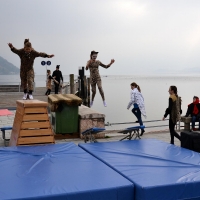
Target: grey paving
[8, 100]
[160, 135]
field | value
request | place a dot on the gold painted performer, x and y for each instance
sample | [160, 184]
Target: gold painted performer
[27, 56]
[95, 78]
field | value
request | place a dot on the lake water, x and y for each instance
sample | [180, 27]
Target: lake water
[117, 94]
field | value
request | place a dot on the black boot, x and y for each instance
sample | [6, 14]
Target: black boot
[49, 91]
[142, 131]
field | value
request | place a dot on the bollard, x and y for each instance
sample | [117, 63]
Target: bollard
[88, 91]
[85, 99]
[71, 76]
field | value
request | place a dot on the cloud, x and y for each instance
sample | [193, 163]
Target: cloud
[141, 35]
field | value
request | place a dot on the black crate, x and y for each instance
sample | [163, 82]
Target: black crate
[190, 140]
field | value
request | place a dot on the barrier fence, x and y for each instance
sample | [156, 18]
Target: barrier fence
[177, 127]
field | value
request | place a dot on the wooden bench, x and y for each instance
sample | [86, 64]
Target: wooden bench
[187, 121]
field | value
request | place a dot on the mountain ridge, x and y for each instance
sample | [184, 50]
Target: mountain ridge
[7, 68]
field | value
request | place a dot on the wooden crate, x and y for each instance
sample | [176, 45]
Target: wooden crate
[31, 124]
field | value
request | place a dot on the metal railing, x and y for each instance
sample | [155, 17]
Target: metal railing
[177, 126]
[13, 85]
[122, 123]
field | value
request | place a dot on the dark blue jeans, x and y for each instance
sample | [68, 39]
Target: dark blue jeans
[137, 113]
[194, 118]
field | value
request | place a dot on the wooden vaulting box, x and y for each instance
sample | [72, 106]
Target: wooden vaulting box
[31, 124]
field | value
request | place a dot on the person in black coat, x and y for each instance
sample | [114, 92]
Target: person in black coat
[57, 74]
[194, 111]
[174, 111]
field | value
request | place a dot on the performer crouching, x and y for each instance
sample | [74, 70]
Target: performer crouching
[27, 56]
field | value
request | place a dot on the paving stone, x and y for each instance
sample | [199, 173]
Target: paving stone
[9, 100]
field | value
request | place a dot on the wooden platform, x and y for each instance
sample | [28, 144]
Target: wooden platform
[31, 124]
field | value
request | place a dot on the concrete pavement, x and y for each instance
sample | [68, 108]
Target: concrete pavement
[8, 100]
[160, 135]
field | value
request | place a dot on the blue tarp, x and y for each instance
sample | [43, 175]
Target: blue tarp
[159, 171]
[61, 172]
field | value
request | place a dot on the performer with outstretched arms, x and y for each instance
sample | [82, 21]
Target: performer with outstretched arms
[27, 56]
[95, 78]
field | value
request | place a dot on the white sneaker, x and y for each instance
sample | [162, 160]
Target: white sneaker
[25, 96]
[104, 103]
[91, 103]
[30, 96]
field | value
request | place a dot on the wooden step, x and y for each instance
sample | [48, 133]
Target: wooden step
[35, 125]
[35, 140]
[36, 132]
[35, 117]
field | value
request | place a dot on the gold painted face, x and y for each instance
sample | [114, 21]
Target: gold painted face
[94, 56]
[170, 91]
[27, 49]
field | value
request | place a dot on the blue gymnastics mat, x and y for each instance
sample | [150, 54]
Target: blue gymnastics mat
[59, 171]
[159, 171]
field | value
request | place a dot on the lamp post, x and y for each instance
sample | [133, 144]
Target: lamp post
[44, 63]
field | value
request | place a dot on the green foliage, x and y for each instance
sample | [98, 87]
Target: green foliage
[7, 68]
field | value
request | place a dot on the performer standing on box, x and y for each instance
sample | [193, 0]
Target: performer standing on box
[57, 75]
[137, 100]
[174, 111]
[27, 56]
[95, 78]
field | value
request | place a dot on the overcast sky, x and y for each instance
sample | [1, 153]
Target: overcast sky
[141, 35]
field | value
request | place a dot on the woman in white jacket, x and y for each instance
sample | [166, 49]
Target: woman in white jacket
[137, 100]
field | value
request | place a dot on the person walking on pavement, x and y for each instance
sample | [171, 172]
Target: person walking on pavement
[137, 100]
[174, 111]
[95, 78]
[57, 75]
[27, 56]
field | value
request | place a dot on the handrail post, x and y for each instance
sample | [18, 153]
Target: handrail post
[85, 91]
[88, 91]
[71, 76]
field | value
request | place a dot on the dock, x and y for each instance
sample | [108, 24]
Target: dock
[8, 101]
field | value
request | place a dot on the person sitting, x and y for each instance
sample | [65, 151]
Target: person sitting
[194, 111]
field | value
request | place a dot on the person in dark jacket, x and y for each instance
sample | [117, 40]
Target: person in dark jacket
[174, 111]
[57, 75]
[194, 111]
